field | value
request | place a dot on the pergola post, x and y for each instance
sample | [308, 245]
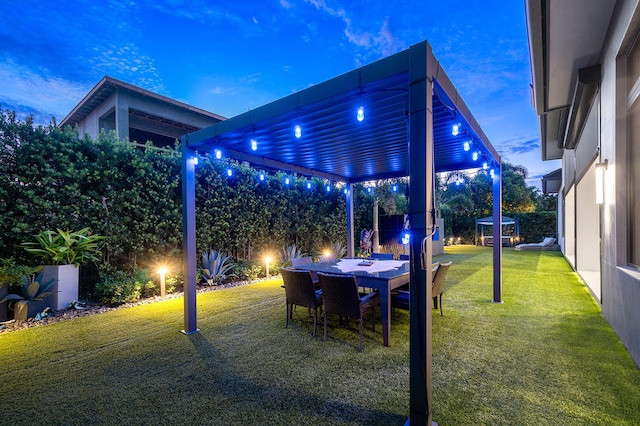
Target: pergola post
[497, 234]
[420, 208]
[189, 236]
[350, 221]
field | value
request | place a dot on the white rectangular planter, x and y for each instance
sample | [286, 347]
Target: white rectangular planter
[66, 284]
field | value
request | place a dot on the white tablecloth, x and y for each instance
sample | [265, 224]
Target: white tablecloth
[351, 265]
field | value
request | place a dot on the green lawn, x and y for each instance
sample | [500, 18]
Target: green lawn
[545, 356]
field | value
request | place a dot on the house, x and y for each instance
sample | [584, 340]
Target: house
[585, 60]
[136, 114]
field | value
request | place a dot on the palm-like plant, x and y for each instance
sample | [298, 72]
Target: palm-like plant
[215, 267]
[65, 247]
[339, 249]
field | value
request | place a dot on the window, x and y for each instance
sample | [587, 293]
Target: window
[633, 138]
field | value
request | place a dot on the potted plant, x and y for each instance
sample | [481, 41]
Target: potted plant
[63, 252]
[32, 298]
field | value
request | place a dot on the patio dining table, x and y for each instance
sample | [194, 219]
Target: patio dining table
[381, 275]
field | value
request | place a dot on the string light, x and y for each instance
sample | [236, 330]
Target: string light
[297, 131]
[287, 181]
[229, 172]
[485, 166]
[261, 176]
[218, 154]
[254, 144]
[309, 185]
[474, 156]
[360, 115]
[467, 145]
[455, 129]
[194, 160]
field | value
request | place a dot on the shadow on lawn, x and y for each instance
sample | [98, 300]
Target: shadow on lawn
[265, 399]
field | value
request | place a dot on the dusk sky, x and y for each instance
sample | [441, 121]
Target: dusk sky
[228, 57]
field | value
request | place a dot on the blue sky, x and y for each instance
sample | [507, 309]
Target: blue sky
[229, 56]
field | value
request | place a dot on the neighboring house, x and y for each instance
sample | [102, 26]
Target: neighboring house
[586, 84]
[136, 114]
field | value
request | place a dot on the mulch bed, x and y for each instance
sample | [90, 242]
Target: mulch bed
[92, 308]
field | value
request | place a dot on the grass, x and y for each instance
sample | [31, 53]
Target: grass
[545, 356]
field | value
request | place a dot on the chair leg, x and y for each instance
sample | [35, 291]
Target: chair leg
[315, 321]
[325, 325]
[360, 321]
[286, 325]
[441, 304]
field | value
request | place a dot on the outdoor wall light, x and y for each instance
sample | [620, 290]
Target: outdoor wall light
[297, 131]
[455, 129]
[467, 145]
[218, 154]
[360, 114]
[475, 156]
[600, 169]
[254, 144]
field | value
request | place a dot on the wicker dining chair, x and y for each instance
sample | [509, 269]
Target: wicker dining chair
[382, 256]
[340, 296]
[299, 291]
[400, 298]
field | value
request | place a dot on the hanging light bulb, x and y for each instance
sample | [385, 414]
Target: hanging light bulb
[369, 189]
[194, 160]
[309, 184]
[485, 166]
[346, 191]
[218, 154]
[254, 144]
[466, 145]
[455, 130]
[492, 173]
[229, 172]
[360, 115]
[474, 156]
[394, 188]
[261, 176]
[297, 131]
[287, 181]
[328, 187]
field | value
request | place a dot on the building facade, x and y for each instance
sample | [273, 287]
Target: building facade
[136, 114]
[585, 60]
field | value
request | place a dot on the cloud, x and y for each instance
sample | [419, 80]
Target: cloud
[519, 146]
[372, 42]
[44, 97]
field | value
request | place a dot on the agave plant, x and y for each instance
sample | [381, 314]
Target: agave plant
[289, 253]
[339, 249]
[215, 267]
[32, 289]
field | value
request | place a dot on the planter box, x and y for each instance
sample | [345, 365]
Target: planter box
[30, 310]
[66, 285]
[4, 290]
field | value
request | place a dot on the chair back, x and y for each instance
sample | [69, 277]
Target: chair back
[298, 288]
[340, 295]
[301, 261]
[404, 257]
[382, 256]
[438, 280]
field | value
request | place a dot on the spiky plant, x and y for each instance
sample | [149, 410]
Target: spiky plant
[215, 267]
[289, 253]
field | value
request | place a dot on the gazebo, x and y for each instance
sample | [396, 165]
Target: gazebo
[397, 117]
[507, 239]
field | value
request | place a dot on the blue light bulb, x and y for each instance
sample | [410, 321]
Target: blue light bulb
[360, 115]
[254, 144]
[297, 131]
[218, 154]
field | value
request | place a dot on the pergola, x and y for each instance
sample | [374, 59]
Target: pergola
[410, 109]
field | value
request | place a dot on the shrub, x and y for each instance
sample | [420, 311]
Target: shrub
[247, 270]
[119, 287]
[12, 273]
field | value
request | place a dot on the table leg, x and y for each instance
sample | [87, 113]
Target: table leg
[385, 309]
